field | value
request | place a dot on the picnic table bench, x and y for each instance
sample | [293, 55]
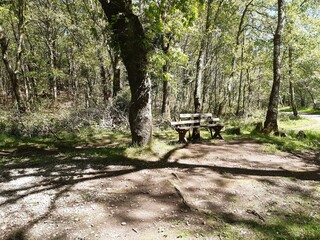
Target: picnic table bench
[189, 121]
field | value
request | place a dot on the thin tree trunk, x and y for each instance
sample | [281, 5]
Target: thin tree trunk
[33, 87]
[14, 73]
[234, 58]
[105, 90]
[291, 86]
[240, 80]
[197, 95]
[53, 77]
[314, 101]
[249, 92]
[165, 109]
[271, 123]
[116, 75]
[106, 93]
[116, 81]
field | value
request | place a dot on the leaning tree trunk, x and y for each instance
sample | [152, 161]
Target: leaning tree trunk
[271, 123]
[128, 34]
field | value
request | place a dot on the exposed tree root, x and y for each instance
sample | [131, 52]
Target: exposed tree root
[183, 196]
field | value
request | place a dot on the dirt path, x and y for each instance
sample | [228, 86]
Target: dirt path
[225, 190]
[312, 116]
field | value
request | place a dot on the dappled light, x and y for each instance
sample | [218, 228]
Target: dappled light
[100, 193]
[159, 120]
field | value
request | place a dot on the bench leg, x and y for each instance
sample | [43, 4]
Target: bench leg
[217, 133]
[210, 130]
[182, 135]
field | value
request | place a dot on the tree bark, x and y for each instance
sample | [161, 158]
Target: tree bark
[234, 57]
[116, 77]
[115, 62]
[13, 73]
[240, 82]
[53, 77]
[165, 109]
[129, 36]
[197, 95]
[105, 90]
[271, 123]
[314, 101]
[291, 86]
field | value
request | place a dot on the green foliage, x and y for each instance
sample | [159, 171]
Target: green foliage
[4, 12]
[157, 59]
[79, 36]
[170, 16]
[309, 111]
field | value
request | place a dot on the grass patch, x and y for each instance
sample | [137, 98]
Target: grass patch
[291, 143]
[285, 227]
[309, 111]
[300, 110]
[93, 144]
[287, 123]
[153, 152]
[280, 226]
[97, 145]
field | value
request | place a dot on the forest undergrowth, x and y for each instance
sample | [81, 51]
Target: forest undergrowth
[68, 126]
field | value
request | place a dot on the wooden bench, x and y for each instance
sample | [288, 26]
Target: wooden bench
[189, 121]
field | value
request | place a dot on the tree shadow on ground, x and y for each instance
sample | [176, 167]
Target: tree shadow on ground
[309, 157]
[59, 170]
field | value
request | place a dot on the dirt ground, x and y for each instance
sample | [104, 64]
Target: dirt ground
[204, 191]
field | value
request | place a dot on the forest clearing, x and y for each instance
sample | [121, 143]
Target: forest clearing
[159, 119]
[95, 187]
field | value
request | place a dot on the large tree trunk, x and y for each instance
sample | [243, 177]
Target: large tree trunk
[128, 34]
[271, 123]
